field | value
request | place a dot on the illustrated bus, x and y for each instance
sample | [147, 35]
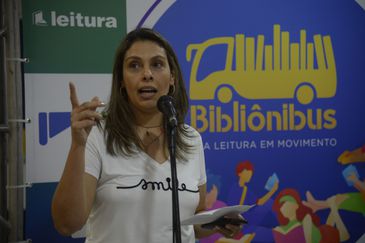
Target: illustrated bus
[279, 71]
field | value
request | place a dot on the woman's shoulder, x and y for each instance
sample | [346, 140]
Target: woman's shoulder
[191, 132]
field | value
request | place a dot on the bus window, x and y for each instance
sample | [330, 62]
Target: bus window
[213, 60]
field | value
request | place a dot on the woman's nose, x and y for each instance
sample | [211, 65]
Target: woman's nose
[147, 75]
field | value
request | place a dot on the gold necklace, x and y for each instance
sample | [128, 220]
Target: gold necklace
[153, 140]
[149, 136]
[149, 127]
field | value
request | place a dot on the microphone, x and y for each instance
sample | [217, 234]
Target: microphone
[166, 105]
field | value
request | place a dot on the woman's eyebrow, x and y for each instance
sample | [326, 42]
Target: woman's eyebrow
[134, 57]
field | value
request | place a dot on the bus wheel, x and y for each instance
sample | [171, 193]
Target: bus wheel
[305, 94]
[224, 95]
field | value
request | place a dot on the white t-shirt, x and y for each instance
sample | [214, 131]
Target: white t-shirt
[133, 202]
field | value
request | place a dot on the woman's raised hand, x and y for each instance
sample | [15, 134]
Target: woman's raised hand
[83, 117]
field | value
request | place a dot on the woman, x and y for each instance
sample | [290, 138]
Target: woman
[298, 223]
[117, 174]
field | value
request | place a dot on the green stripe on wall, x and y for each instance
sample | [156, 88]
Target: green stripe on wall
[63, 43]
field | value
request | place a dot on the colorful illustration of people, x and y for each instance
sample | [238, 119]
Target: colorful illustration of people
[212, 201]
[352, 201]
[355, 156]
[299, 223]
[288, 217]
[258, 217]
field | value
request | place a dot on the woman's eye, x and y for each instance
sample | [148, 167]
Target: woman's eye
[157, 65]
[134, 65]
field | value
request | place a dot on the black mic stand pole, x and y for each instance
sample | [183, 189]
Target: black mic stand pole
[175, 196]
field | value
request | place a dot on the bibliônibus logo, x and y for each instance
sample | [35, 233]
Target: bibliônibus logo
[301, 71]
[72, 19]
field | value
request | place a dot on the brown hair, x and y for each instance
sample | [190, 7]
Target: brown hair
[119, 133]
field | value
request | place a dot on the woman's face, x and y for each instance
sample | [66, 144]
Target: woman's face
[146, 75]
[289, 209]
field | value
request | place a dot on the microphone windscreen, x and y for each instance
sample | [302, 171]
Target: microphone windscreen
[164, 102]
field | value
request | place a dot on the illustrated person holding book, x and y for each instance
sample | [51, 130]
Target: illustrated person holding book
[257, 228]
[117, 173]
[299, 224]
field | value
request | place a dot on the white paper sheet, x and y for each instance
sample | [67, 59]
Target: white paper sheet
[210, 216]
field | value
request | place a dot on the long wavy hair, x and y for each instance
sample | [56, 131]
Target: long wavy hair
[120, 133]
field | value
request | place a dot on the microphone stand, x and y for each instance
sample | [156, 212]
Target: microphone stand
[175, 196]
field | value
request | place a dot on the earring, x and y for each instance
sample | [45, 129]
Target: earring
[123, 92]
[172, 90]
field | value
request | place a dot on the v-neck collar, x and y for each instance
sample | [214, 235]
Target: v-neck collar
[144, 155]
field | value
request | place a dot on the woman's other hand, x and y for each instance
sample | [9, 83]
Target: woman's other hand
[231, 230]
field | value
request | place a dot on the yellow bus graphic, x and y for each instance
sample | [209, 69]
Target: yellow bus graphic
[282, 70]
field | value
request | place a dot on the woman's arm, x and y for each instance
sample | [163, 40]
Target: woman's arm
[307, 227]
[199, 231]
[359, 185]
[334, 219]
[268, 195]
[74, 195]
[75, 192]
